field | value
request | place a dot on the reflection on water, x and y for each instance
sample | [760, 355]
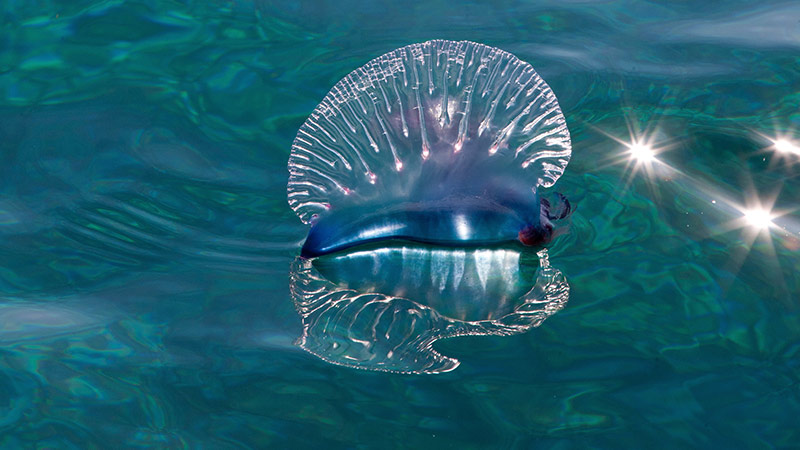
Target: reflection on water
[384, 309]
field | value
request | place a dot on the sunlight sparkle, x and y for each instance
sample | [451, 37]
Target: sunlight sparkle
[759, 218]
[786, 146]
[641, 152]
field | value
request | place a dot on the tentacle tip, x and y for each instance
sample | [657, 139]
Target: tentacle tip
[557, 210]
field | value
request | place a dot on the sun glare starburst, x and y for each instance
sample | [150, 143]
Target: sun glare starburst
[759, 218]
[757, 214]
[642, 152]
[756, 222]
[783, 145]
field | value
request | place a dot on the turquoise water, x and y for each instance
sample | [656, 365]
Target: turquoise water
[147, 245]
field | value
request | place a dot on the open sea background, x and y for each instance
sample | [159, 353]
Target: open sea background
[145, 239]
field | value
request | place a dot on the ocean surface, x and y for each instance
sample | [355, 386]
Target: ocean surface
[147, 248]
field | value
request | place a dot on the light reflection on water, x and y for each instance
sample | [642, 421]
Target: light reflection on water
[411, 297]
[145, 243]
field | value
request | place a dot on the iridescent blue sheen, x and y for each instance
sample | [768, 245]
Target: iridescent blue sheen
[462, 222]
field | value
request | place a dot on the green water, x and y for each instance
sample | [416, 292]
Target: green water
[146, 243]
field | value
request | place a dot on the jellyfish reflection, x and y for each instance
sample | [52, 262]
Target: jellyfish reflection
[383, 309]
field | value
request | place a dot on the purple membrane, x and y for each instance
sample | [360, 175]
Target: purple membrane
[441, 142]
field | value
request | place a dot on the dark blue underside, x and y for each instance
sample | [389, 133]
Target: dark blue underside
[459, 222]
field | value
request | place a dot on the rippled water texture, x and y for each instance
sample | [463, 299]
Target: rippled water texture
[146, 244]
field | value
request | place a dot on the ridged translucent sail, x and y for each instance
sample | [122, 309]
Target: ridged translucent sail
[429, 122]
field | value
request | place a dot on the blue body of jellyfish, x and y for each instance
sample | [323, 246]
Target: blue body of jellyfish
[446, 143]
[471, 222]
